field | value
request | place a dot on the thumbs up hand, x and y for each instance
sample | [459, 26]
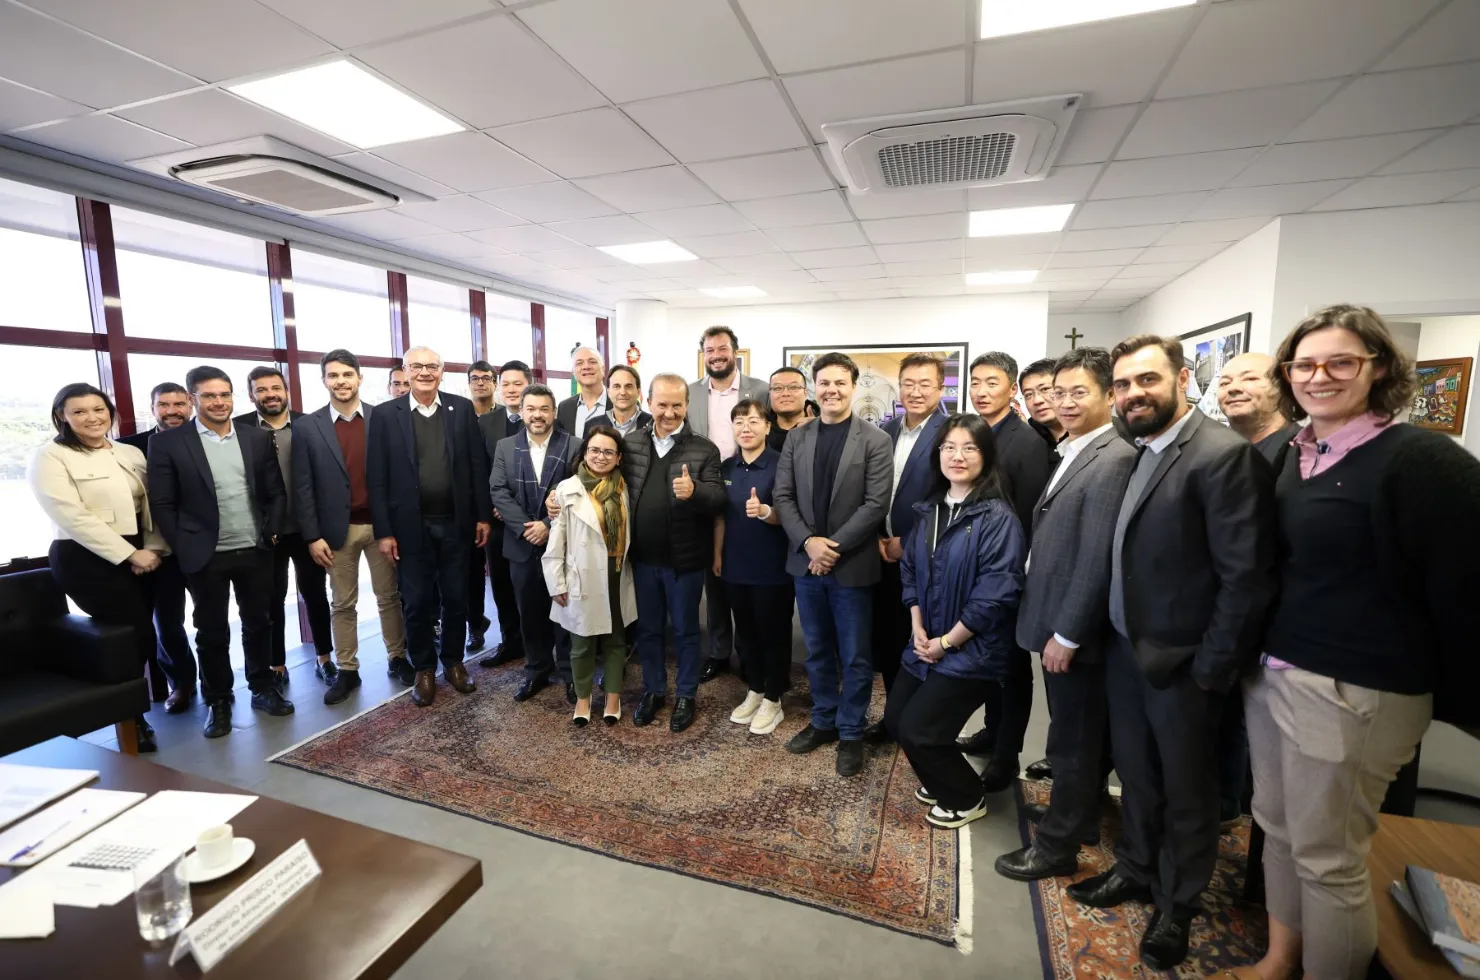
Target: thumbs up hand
[754, 507]
[683, 487]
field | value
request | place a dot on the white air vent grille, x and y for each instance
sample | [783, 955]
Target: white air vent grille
[954, 160]
[301, 193]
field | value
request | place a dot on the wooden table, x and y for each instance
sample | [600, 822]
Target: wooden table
[1446, 847]
[380, 896]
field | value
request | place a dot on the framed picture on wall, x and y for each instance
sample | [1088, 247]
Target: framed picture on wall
[1443, 392]
[877, 396]
[742, 358]
[1206, 351]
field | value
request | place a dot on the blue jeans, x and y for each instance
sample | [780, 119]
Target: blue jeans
[836, 623]
[662, 595]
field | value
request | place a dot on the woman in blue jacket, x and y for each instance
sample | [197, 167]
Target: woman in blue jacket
[962, 572]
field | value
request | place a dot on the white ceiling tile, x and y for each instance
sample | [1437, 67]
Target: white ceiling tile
[1110, 238]
[938, 267]
[950, 248]
[649, 190]
[210, 39]
[1005, 262]
[1277, 42]
[1012, 245]
[623, 274]
[347, 23]
[1094, 134]
[725, 246]
[836, 258]
[1247, 202]
[215, 116]
[580, 258]
[1069, 299]
[387, 226]
[1200, 232]
[1398, 190]
[1393, 102]
[508, 265]
[638, 49]
[1170, 175]
[904, 85]
[649, 285]
[1074, 286]
[899, 204]
[814, 237]
[852, 294]
[1111, 62]
[798, 209]
[1136, 210]
[466, 162]
[1064, 185]
[376, 167]
[1131, 286]
[1072, 275]
[103, 138]
[953, 282]
[849, 273]
[1157, 269]
[823, 33]
[731, 121]
[707, 219]
[1473, 195]
[1082, 260]
[1181, 253]
[922, 228]
[780, 280]
[1454, 150]
[21, 106]
[460, 213]
[1223, 122]
[679, 270]
[555, 201]
[771, 175]
[450, 246]
[616, 230]
[1450, 36]
[768, 262]
[584, 144]
[64, 62]
[523, 239]
[1290, 163]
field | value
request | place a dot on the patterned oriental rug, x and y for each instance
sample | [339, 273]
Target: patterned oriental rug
[714, 802]
[1081, 943]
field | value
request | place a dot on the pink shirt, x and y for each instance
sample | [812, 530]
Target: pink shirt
[721, 432]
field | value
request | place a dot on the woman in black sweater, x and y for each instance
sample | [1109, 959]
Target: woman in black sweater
[1373, 633]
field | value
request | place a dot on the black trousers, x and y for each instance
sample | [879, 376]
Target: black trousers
[249, 572]
[891, 631]
[109, 593]
[925, 717]
[1076, 745]
[434, 579]
[763, 634]
[504, 601]
[546, 643]
[717, 619]
[313, 585]
[166, 588]
[1165, 751]
[1008, 706]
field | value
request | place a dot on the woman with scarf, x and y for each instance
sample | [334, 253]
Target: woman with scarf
[586, 570]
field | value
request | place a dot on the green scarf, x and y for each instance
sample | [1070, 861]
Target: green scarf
[607, 493]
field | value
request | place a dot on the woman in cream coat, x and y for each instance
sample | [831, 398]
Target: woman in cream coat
[586, 570]
[93, 489]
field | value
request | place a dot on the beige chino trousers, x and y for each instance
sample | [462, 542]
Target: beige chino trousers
[344, 588]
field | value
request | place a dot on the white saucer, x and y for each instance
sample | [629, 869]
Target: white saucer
[197, 873]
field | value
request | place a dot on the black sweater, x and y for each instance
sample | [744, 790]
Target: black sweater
[690, 544]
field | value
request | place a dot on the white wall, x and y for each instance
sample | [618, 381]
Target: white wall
[1096, 330]
[1455, 336]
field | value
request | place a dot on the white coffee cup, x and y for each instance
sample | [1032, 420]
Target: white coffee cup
[213, 847]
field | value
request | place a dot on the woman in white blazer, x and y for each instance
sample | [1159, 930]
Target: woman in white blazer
[93, 489]
[585, 567]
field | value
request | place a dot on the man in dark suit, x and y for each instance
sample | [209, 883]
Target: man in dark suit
[1026, 463]
[832, 492]
[482, 392]
[589, 372]
[496, 426]
[624, 394]
[170, 403]
[216, 493]
[526, 468]
[1191, 576]
[429, 505]
[268, 390]
[1063, 613]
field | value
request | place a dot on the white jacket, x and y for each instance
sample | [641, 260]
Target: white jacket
[575, 563]
[90, 500]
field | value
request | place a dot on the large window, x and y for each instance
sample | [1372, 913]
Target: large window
[565, 330]
[509, 338]
[340, 304]
[147, 370]
[43, 282]
[439, 319]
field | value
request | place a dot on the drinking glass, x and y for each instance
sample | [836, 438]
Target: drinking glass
[162, 901]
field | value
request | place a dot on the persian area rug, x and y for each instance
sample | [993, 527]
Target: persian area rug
[1081, 943]
[714, 802]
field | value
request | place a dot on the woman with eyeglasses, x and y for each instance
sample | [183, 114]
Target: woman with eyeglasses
[586, 570]
[1373, 632]
[962, 572]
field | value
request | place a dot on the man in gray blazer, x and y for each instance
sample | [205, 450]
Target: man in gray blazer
[832, 490]
[710, 400]
[1064, 612]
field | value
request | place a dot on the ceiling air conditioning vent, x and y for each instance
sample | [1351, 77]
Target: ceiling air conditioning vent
[970, 146]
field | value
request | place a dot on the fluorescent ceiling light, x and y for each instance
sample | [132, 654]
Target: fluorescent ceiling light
[649, 253]
[1003, 17]
[734, 292]
[348, 103]
[1008, 278]
[1020, 221]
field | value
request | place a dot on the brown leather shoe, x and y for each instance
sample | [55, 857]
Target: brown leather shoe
[179, 700]
[424, 691]
[457, 676]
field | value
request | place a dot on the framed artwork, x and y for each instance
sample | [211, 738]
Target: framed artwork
[742, 358]
[877, 396]
[1206, 351]
[1443, 391]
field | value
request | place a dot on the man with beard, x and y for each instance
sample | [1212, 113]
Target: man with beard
[1192, 568]
[1036, 384]
[481, 381]
[712, 399]
[590, 401]
[495, 427]
[788, 404]
[623, 390]
[268, 391]
[170, 403]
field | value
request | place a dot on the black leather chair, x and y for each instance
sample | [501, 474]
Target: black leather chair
[62, 674]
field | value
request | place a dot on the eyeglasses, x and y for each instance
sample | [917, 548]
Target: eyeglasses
[418, 368]
[474, 379]
[602, 453]
[965, 452]
[926, 387]
[1342, 367]
[787, 389]
[1075, 395]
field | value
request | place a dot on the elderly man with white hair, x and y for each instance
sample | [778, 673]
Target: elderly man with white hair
[589, 371]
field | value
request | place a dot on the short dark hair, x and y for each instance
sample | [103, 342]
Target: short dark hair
[1170, 346]
[636, 378]
[1389, 395]
[481, 366]
[65, 436]
[340, 356]
[715, 332]
[519, 366]
[920, 359]
[794, 370]
[1001, 360]
[539, 391]
[989, 483]
[265, 371]
[600, 430]
[166, 388]
[835, 359]
[1095, 360]
[197, 376]
[1044, 365]
[747, 405]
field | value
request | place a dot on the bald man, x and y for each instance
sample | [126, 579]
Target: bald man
[1249, 397]
[589, 371]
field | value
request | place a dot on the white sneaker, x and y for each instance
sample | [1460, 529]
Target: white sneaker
[951, 819]
[767, 717]
[747, 709]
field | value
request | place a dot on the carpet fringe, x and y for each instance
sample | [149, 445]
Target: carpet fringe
[965, 899]
[278, 755]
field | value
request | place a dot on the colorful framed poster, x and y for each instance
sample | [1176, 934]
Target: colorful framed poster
[1443, 392]
[1206, 351]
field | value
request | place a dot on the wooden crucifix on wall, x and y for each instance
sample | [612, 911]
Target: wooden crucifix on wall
[1073, 337]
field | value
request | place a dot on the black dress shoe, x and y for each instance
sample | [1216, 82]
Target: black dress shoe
[683, 714]
[981, 743]
[502, 654]
[570, 692]
[1039, 770]
[344, 682]
[1164, 946]
[530, 687]
[218, 719]
[877, 734]
[145, 731]
[1108, 889]
[810, 738]
[400, 668]
[1031, 864]
[713, 667]
[850, 757]
[998, 776]
[272, 702]
[648, 710]
[475, 641]
[326, 671]
[179, 700]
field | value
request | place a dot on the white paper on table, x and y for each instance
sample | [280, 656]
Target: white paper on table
[25, 909]
[27, 788]
[61, 823]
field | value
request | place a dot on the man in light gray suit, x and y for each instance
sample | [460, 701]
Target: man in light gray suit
[1065, 608]
[713, 397]
[832, 490]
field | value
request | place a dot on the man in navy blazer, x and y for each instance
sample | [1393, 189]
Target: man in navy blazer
[216, 493]
[496, 426]
[424, 467]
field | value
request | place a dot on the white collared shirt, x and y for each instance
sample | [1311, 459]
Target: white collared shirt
[902, 448]
[341, 417]
[537, 453]
[207, 433]
[584, 414]
[1161, 442]
[662, 444]
[426, 411]
[1070, 448]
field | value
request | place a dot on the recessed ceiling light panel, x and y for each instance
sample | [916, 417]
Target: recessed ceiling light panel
[1019, 221]
[649, 253]
[1003, 17]
[734, 292]
[1011, 277]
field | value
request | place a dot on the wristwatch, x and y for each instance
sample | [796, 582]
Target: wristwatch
[945, 644]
